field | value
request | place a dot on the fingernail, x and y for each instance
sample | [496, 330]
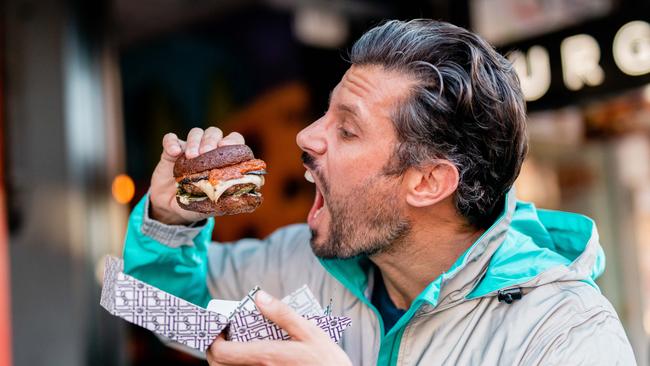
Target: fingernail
[263, 298]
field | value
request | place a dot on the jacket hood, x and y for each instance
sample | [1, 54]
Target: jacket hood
[541, 247]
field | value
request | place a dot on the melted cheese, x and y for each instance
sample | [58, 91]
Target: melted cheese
[214, 192]
[187, 199]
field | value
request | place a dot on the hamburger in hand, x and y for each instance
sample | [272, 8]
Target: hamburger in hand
[224, 181]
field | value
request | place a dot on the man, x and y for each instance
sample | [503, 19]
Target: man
[414, 232]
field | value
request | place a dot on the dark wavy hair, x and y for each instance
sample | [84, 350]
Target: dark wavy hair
[466, 106]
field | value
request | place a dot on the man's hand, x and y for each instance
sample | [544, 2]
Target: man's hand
[309, 345]
[164, 207]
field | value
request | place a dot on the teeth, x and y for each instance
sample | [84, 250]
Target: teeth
[317, 212]
[309, 177]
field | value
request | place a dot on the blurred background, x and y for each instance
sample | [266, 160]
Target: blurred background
[88, 89]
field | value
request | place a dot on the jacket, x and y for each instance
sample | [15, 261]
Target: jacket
[522, 294]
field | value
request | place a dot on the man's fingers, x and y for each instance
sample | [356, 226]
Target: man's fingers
[193, 142]
[198, 142]
[171, 144]
[213, 354]
[171, 147]
[309, 345]
[285, 317]
[233, 138]
[223, 352]
[210, 140]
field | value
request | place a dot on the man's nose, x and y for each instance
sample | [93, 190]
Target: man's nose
[312, 138]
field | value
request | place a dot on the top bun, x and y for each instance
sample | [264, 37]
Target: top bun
[217, 158]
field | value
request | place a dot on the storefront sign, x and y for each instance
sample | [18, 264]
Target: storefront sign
[599, 58]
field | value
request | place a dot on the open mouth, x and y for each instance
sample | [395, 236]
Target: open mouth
[318, 206]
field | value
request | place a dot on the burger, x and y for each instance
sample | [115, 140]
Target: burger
[224, 181]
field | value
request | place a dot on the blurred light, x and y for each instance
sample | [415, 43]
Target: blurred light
[642, 200]
[538, 183]
[633, 169]
[534, 71]
[631, 48]
[320, 27]
[99, 269]
[558, 127]
[646, 93]
[123, 188]
[580, 57]
[646, 321]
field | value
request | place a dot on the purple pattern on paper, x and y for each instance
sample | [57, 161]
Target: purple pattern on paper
[251, 325]
[304, 302]
[196, 327]
[158, 311]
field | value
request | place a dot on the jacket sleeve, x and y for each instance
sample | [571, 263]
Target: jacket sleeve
[181, 260]
[591, 338]
[169, 257]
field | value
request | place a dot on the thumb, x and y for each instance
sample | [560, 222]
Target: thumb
[285, 317]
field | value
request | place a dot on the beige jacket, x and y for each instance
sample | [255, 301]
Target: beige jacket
[470, 315]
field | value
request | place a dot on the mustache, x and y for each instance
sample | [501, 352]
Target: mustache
[308, 160]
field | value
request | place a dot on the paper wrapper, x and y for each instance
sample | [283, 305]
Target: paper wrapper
[251, 325]
[157, 310]
[167, 315]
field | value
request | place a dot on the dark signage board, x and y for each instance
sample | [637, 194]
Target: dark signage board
[611, 79]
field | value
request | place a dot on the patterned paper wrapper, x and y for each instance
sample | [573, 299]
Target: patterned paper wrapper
[157, 310]
[181, 321]
[249, 325]
[302, 301]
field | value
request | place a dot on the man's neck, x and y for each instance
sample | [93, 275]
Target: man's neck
[419, 259]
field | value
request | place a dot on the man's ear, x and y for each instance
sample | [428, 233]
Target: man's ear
[430, 184]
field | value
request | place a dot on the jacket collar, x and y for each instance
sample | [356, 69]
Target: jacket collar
[452, 285]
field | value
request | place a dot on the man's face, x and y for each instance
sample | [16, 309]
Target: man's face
[358, 209]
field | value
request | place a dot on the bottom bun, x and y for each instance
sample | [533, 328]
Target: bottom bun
[226, 205]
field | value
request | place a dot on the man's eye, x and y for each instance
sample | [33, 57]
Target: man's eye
[345, 133]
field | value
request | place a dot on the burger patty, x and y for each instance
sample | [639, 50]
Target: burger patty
[186, 183]
[196, 191]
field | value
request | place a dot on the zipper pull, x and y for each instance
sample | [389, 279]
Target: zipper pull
[510, 295]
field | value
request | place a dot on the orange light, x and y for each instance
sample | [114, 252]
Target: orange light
[123, 188]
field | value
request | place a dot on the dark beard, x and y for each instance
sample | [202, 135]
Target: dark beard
[364, 224]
